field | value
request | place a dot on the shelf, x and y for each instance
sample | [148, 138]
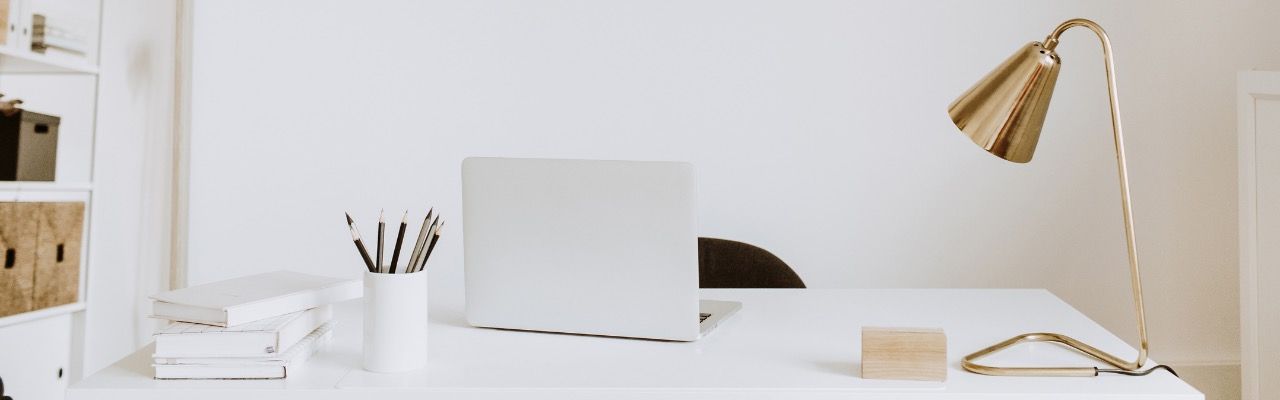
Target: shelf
[44, 191]
[41, 313]
[15, 61]
[29, 186]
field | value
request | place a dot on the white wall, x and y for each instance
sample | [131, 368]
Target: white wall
[128, 254]
[818, 128]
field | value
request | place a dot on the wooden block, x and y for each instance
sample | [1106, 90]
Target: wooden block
[904, 354]
[4, 21]
[57, 273]
[18, 231]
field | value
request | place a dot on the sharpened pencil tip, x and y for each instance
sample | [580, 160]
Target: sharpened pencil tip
[405, 218]
[380, 217]
[349, 220]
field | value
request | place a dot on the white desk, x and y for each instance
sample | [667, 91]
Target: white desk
[790, 344]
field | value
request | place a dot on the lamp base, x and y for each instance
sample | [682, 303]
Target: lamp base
[970, 365]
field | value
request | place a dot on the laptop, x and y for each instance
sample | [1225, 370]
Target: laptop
[587, 247]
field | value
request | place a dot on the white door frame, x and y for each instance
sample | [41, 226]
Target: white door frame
[181, 146]
[1252, 87]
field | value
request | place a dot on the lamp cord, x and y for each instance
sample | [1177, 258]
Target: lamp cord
[1138, 373]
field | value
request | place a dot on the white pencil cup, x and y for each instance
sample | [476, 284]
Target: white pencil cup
[395, 322]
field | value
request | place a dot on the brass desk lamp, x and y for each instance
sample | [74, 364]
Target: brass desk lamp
[1003, 113]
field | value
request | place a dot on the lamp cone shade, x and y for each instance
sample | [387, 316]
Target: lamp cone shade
[1004, 111]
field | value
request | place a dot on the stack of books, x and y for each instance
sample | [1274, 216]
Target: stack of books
[254, 327]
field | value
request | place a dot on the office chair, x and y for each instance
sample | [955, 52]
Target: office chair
[730, 264]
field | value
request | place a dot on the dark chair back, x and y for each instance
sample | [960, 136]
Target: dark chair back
[730, 264]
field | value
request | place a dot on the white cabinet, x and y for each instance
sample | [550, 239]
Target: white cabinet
[35, 358]
[1259, 141]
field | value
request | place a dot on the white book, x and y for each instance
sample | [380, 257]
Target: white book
[272, 367]
[250, 298]
[255, 339]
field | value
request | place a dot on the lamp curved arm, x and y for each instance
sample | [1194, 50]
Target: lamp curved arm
[970, 362]
[1122, 170]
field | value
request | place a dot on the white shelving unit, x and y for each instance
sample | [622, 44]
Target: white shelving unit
[43, 349]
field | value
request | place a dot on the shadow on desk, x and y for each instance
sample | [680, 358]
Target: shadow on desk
[843, 368]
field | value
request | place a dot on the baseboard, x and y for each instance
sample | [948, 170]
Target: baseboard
[1217, 380]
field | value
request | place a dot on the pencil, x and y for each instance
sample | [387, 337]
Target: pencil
[395, 253]
[382, 231]
[431, 246]
[418, 246]
[355, 237]
[422, 258]
[425, 240]
[426, 251]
